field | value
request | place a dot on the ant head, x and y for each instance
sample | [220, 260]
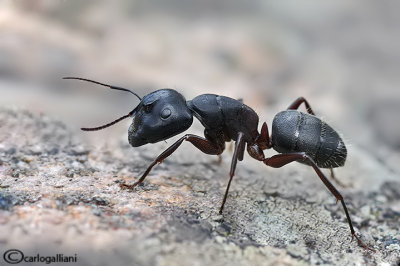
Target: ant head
[160, 115]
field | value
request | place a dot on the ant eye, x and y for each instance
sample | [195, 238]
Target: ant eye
[147, 108]
[165, 113]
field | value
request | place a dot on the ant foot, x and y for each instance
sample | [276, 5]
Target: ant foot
[361, 244]
[129, 187]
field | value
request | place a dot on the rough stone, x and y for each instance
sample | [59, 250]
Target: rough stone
[173, 218]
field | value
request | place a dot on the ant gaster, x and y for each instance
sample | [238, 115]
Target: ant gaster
[298, 137]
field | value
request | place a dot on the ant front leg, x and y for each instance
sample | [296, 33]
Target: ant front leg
[280, 160]
[200, 143]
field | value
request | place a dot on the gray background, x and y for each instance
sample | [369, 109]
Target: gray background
[59, 186]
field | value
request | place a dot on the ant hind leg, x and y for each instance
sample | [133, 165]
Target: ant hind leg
[280, 160]
[295, 105]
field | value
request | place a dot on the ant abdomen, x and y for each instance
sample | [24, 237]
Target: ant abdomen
[294, 131]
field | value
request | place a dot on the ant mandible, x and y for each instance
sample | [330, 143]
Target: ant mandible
[298, 137]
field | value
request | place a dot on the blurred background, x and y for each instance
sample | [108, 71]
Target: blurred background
[60, 184]
[344, 57]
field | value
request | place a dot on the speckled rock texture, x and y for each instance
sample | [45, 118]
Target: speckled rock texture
[59, 195]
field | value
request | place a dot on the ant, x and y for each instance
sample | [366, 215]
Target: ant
[296, 136]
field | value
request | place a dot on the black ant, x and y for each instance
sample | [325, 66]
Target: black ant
[298, 137]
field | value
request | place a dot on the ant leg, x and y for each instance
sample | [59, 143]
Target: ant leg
[295, 105]
[200, 143]
[333, 177]
[239, 149]
[280, 160]
[219, 159]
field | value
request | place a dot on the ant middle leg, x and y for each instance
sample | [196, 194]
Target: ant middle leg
[237, 155]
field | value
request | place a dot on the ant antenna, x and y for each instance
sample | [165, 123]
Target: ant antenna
[111, 87]
[106, 85]
[109, 124]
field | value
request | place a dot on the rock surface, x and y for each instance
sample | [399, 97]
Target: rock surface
[60, 196]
